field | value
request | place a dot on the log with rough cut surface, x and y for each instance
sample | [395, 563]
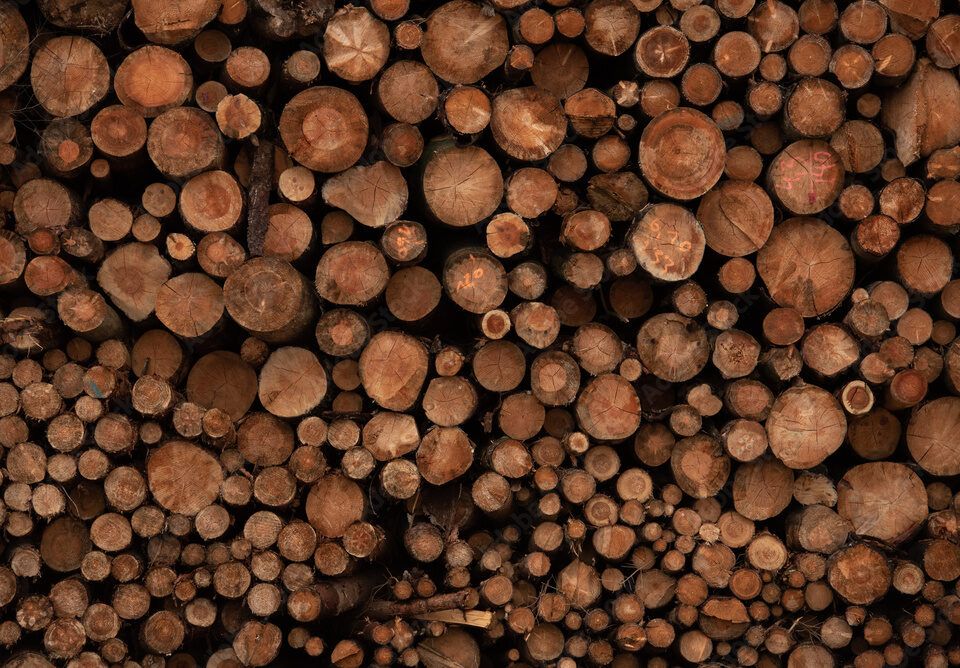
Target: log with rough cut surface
[618, 332]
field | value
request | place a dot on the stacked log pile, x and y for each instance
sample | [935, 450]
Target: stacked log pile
[525, 333]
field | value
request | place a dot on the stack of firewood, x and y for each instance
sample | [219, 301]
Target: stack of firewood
[506, 333]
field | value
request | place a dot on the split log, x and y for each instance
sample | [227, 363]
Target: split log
[908, 112]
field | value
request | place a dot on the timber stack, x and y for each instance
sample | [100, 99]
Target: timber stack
[528, 333]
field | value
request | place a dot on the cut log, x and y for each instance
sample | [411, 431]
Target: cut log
[762, 488]
[392, 369]
[475, 280]
[183, 477]
[461, 186]
[681, 153]
[355, 44]
[183, 141]
[560, 68]
[883, 500]
[132, 275]
[806, 425]
[611, 26]
[69, 75]
[673, 347]
[462, 43]
[269, 299]
[152, 80]
[860, 574]
[932, 436]
[608, 408]
[333, 504]
[173, 23]
[806, 177]
[668, 242]
[806, 265]
[292, 382]
[814, 108]
[700, 466]
[324, 128]
[528, 123]
[910, 112]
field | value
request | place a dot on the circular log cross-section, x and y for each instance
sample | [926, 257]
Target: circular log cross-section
[412, 293]
[682, 153]
[673, 347]
[190, 305]
[211, 202]
[806, 265]
[475, 280]
[292, 382]
[924, 264]
[184, 141]
[270, 299]
[392, 369]
[762, 488]
[164, 22]
[14, 45]
[445, 453]
[529, 123]
[132, 275]
[884, 500]
[355, 44]
[408, 91]
[611, 26]
[806, 177]
[333, 504]
[463, 43]
[351, 273]
[737, 218]
[662, 51]
[860, 574]
[183, 477]
[561, 68]
[933, 436]
[153, 79]
[324, 128]
[375, 196]
[462, 186]
[69, 75]
[815, 108]
[342, 332]
[467, 109]
[700, 466]
[668, 242]
[221, 379]
[404, 242]
[608, 408]
[805, 426]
